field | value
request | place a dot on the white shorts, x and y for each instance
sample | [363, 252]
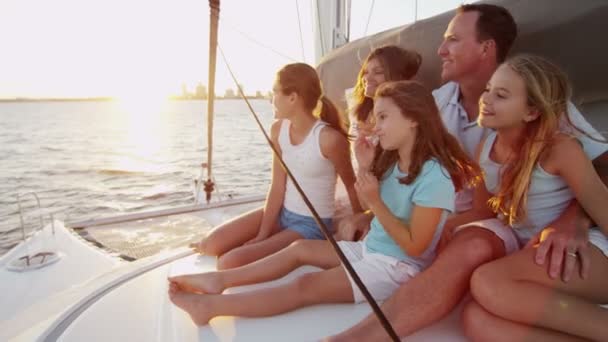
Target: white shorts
[381, 274]
[599, 240]
[513, 243]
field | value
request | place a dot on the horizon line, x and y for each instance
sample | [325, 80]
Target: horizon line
[118, 98]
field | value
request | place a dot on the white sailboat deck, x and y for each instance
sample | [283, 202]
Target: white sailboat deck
[97, 296]
[92, 295]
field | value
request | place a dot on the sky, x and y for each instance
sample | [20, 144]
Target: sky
[137, 48]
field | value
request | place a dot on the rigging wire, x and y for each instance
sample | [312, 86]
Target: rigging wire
[320, 31]
[383, 320]
[369, 17]
[300, 27]
[349, 7]
[253, 40]
[312, 18]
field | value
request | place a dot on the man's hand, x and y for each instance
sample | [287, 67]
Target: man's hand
[446, 236]
[562, 246]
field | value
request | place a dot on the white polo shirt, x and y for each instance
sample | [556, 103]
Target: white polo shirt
[456, 120]
[469, 134]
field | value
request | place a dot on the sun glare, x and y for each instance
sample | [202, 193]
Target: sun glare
[143, 120]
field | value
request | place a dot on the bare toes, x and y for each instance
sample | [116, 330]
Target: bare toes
[194, 304]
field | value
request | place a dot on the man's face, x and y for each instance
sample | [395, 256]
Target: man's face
[460, 51]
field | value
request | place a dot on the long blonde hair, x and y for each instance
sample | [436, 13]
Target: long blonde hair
[548, 92]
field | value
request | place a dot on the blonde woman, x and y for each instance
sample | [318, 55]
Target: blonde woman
[532, 173]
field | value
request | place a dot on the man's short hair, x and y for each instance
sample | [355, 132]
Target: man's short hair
[496, 23]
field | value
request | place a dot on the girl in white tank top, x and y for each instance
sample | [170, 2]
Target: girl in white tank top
[314, 172]
[535, 174]
[316, 150]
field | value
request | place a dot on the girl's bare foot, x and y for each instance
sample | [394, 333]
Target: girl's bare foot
[210, 283]
[198, 247]
[173, 288]
[195, 305]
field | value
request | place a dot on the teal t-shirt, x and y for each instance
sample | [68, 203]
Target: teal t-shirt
[433, 188]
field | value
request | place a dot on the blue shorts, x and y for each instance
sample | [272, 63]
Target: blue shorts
[303, 225]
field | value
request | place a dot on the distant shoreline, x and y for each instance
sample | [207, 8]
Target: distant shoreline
[105, 99]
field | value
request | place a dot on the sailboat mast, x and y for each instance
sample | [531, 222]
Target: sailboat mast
[214, 14]
[331, 25]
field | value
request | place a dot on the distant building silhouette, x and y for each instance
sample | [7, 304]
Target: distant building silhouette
[229, 94]
[201, 92]
[185, 93]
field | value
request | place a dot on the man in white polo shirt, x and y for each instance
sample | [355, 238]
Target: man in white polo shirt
[476, 41]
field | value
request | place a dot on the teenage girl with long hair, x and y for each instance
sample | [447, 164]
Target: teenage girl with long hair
[533, 170]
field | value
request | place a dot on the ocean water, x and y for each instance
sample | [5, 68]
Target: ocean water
[95, 159]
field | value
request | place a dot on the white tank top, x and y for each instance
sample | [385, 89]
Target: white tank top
[315, 173]
[548, 194]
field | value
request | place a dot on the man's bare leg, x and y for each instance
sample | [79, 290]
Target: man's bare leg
[432, 294]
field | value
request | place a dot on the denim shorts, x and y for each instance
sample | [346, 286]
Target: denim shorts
[303, 225]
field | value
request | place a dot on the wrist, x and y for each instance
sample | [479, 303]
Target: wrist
[363, 168]
[584, 223]
[374, 206]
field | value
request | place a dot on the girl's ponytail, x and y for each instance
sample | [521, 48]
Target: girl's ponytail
[330, 114]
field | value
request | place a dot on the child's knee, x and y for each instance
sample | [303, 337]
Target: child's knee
[305, 287]
[231, 259]
[473, 321]
[476, 246]
[210, 246]
[299, 248]
[485, 284]
[300, 244]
